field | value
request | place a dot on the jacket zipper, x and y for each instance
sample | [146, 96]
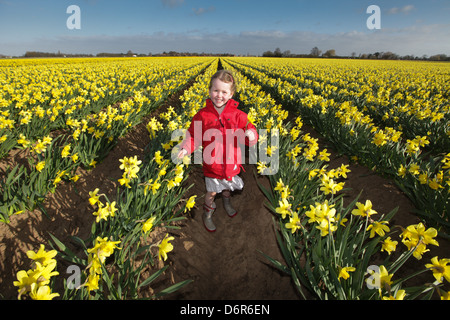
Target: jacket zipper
[224, 156]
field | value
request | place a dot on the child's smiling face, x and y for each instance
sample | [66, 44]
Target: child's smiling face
[220, 93]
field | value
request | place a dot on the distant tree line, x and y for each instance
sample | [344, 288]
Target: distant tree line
[316, 53]
[38, 54]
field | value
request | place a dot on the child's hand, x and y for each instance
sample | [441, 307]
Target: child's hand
[182, 153]
[250, 134]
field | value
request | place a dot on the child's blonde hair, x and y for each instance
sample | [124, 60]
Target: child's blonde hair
[224, 76]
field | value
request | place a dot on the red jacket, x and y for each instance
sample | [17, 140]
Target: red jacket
[222, 137]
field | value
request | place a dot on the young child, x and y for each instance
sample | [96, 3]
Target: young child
[222, 129]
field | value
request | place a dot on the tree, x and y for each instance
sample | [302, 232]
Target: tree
[287, 53]
[330, 53]
[315, 52]
[389, 56]
[277, 52]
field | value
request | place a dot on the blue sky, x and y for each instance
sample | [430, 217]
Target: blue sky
[215, 26]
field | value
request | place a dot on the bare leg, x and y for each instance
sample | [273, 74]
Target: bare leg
[226, 193]
[209, 198]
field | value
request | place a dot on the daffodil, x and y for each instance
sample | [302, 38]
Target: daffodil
[284, 208]
[380, 138]
[400, 295]
[103, 248]
[417, 237]
[434, 184]
[42, 256]
[389, 245]
[261, 167]
[165, 247]
[294, 223]
[385, 278]
[414, 169]
[92, 282]
[23, 141]
[148, 224]
[158, 158]
[312, 173]
[42, 293]
[440, 268]
[24, 281]
[343, 170]
[311, 214]
[419, 232]
[378, 227]
[40, 166]
[423, 178]
[326, 227]
[65, 152]
[190, 203]
[364, 209]
[324, 155]
[125, 181]
[44, 272]
[74, 157]
[444, 295]
[279, 186]
[330, 186]
[344, 272]
[401, 171]
[94, 198]
[130, 166]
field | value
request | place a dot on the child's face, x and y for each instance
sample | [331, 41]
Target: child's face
[220, 93]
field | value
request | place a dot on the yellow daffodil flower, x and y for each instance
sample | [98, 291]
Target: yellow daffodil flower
[165, 247]
[344, 272]
[440, 268]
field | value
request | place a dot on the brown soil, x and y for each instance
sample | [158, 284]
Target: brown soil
[227, 264]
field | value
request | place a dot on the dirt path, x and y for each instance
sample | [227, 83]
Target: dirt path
[228, 264]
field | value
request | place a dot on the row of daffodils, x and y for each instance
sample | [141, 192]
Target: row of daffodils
[331, 251]
[403, 134]
[67, 115]
[122, 252]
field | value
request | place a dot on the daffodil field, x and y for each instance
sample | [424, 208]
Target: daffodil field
[329, 249]
[122, 228]
[392, 117]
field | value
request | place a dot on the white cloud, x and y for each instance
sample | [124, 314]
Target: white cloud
[405, 9]
[200, 11]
